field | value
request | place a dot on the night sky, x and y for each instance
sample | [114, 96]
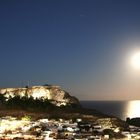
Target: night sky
[82, 45]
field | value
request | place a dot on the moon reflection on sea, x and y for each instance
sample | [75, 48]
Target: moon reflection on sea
[133, 109]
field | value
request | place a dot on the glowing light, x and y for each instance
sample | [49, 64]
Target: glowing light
[38, 93]
[135, 60]
[117, 130]
[133, 109]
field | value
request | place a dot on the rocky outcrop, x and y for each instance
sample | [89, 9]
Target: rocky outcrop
[54, 94]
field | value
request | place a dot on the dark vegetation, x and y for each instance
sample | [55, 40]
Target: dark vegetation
[31, 104]
[18, 104]
[25, 103]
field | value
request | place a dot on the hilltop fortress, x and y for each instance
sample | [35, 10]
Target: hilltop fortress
[54, 94]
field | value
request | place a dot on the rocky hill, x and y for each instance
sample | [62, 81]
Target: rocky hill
[54, 94]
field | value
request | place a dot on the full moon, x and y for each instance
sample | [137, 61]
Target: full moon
[135, 60]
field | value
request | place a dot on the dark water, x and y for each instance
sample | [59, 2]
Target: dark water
[121, 109]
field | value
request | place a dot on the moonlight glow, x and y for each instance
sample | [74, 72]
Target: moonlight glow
[135, 60]
[133, 109]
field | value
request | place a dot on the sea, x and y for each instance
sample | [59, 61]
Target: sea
[120, 109]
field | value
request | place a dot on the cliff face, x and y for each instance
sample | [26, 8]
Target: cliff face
[55, 94]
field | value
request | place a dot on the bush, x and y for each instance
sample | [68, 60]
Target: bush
[26, 118]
